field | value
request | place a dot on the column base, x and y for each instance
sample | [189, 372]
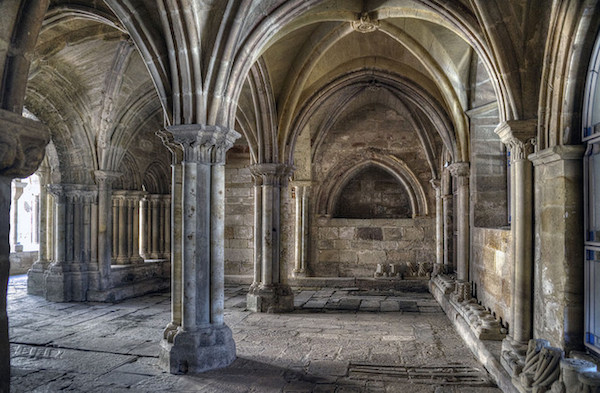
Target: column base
[276, 298]
[36, 284]
[513, 356]
[195, 352]
[300, 273]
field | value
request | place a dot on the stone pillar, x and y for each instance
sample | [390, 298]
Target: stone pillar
[203, 342]
[176, 252]
[122, 254]
[439, 227]
[301, 192]
[35, 275]
[135, 234]
[519, 137]
[559, 256]
[115, 230]
[144, 252]
[460, 172]
[155, 226]
[23, 143]
[271, 294]
[56, 284]
[448, 223]
[167, 227]
[18, 187]
[104, 179]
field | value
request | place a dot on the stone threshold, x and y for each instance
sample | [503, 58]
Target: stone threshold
[486, 351]
[416, 284]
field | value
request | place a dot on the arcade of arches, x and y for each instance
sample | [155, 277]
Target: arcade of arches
[192, 143]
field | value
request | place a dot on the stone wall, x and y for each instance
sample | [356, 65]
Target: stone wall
[239, 214]
[354, 247]
[492, 270]
[20, 262]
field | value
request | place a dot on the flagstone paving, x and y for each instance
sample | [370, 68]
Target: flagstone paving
[337, 340]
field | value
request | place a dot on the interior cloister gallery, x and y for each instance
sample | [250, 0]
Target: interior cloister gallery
[300, 196]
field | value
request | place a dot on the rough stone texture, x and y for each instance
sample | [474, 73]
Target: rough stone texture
[239, 220]
[102, 347]
[20, 262]
[558, 277]
[492, 270]
[353, 248]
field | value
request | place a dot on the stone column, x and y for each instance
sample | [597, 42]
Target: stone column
[122, 254]
[115, 230]
[203, 342]
[155, 226]
[301, 191]
[439, 227]
[23, 143]
[167, 227]
[519, 137]
[57, 287]
[144, 253]
[35, 275]
[104, 179]
[448, 223]
[18, 187]
[271, 294]
[136, 216]
[460, 172]
[176, 251]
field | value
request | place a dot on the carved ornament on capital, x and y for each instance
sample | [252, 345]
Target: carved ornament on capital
[106, 178]
[22, 144]
[203, 143]
[459, 169]
[58, 192]
[519, 136]
[271, 174]
[169, 141]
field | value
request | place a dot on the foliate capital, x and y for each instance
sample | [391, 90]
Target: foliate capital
[106, 178]
[22, 144]
[459, 169]
[519, 136]
[271, 174]
[203, 143]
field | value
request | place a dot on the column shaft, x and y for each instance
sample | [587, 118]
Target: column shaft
[155, 229]
[122, 237]
[258, 206]
[105, 219]
[144, 228]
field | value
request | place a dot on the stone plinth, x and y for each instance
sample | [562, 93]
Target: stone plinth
[272, 298]
[205, 349]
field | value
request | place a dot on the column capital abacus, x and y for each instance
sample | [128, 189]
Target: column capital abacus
[204, 143]
[459, 169]
[519, 136]
[271, 174]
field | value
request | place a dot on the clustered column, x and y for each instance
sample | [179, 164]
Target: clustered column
[203, 341]
[519, 137]
[104, 179]
[35, 275]
[67, 277]
[301, 192]
[270, 293]
[460, 172]
[125, 234]
[155, 215]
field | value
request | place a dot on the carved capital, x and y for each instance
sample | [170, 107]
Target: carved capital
[365, 24]
[203, 143]
[271, 174]
[106, 178]
[58, 192]
[459, 169]
[518, 136]
[22, 144]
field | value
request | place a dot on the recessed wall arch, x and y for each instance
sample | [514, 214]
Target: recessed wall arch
[339, 176]
[365, 77]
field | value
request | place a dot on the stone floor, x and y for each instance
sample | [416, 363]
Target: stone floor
[333, 342]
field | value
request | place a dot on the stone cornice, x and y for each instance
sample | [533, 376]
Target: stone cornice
[203, 143]
[557, 153]
[22, 144]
